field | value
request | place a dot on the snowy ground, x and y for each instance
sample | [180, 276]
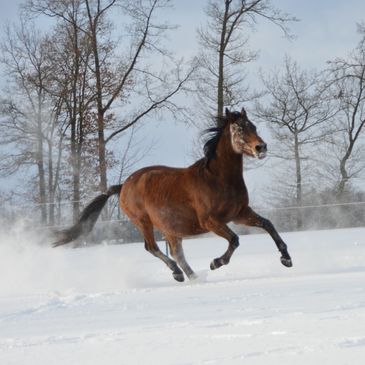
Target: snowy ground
[119, 305]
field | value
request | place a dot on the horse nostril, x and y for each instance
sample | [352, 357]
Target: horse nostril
[262, 147]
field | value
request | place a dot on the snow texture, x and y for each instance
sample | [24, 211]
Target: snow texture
[120, 305]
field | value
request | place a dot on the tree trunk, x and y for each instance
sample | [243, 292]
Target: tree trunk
[74, 129]
[74, 161]
[56, 179]
[220, 86]
[299, 191]
[344, 176]
[75, 172]
[51, 196]
[53, 168]
[100, 119]
[101, 153]
[42, 184]
[40, 165]
[343, 170]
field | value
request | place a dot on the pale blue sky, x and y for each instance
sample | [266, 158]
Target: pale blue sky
[327, 29]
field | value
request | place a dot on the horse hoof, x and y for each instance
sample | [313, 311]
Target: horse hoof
[178, 276]
[215, 264]
[193, 276]
[286, 262]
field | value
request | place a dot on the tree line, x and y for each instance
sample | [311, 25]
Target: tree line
[100, 68]
[317, 118]
[76, 86]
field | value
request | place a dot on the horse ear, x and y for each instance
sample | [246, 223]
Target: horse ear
[243, 112]
[227, 112]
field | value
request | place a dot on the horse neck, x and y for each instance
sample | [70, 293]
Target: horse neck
[227, 163]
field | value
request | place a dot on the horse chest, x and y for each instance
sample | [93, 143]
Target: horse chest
[229, 202]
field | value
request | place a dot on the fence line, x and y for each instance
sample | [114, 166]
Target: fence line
[256, 207]
[285, 218]
[293, 207]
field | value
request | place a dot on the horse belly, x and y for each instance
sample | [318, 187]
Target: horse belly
[178, 221]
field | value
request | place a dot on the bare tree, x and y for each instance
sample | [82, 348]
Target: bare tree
[28, 114]
[121, 74]
[225, 51]
[347, 79]
[298, 112]
[71, 56]
[49, 105]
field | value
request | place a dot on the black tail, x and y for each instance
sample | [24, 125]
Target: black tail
[87, 218]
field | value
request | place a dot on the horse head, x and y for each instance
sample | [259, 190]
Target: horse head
[244, 137]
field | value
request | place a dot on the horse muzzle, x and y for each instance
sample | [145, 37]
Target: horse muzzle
[261, 150]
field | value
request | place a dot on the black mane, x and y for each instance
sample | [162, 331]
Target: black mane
[214, 134]
[211, 144]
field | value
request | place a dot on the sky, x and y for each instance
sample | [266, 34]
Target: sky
[327, 29]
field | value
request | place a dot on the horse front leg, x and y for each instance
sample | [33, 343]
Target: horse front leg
[224, 231]
[252, 219]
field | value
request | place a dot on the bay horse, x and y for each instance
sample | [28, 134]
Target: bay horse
[201, 198]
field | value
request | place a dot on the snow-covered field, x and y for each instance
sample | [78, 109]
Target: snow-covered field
[120, 305]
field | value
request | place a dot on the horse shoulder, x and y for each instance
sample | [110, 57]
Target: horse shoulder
[215, 197]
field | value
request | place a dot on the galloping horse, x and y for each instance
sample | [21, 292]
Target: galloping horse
[181, 202]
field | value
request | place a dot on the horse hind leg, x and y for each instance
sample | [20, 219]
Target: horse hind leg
[177, 253]
[152, 247]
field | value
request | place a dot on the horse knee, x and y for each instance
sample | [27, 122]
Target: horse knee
[266, 224]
